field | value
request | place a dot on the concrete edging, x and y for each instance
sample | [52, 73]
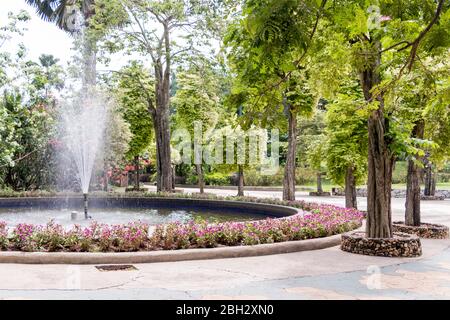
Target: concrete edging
[168, 255]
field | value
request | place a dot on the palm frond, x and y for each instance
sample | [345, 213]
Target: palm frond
[45, 8]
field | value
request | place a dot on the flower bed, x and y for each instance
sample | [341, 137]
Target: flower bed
[322, 221]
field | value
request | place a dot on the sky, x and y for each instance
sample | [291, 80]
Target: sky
[41, 37]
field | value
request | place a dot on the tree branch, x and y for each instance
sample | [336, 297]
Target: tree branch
[21, 158]
[298, 61]
[415, 44]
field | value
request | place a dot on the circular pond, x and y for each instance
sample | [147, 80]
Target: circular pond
[153, 211]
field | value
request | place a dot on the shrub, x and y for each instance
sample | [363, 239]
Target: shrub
[23, 237]
[217, 179]
[50, 238]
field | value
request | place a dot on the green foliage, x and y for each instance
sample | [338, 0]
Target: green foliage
[346, 130]
[217, 179]
[117, 139]
[315, 153]
[8, 125]
[309, 130]
[134, 89]
[196, 99]
[27, 113]
[265, 45]
[60, 11]
[28, 162]
[15, 26]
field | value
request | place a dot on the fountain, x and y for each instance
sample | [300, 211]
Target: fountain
[83, 120]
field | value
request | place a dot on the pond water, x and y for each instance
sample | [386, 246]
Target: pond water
[14, 216]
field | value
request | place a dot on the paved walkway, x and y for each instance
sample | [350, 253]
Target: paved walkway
[322, 274]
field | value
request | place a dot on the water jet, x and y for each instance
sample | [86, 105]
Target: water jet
[84, 119]
[85, 199]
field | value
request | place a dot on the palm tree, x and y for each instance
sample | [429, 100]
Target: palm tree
[57, 11]
[62, 13]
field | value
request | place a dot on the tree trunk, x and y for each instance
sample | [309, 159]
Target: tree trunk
[240, 180]
[201, 182]
[106, 177]
[89, 55]
[173, 177]
[429, 179]
[161, 118]
[163, 159]
[137, 176]
[412, 205]
[350, 189]
[380, 159]
[319, 182]
[89, 64]
[289, 170]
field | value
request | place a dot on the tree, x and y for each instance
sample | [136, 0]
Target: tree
[311, 144]
[8, 143]
[7, 134]
[27, 126]
[132, 80]
[372, 28]
[116, 142]
[196, 101]
[316, 160]
[269, 52]
[44, 78]
[168, 16]
[416, 98]
[33, 127]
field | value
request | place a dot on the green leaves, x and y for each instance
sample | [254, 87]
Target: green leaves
[135, 92]
[346, 134]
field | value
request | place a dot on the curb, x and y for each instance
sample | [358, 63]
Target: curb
[168, 255]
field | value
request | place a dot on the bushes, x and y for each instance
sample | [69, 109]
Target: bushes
[303, 176]
[324, 220]
[253, 177]
[217, 179]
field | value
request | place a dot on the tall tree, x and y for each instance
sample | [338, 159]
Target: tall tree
[13, 28]
[372, 27]
[269, 53]
[196, 101]
[150, 30]
[132, 80]
[418, 99]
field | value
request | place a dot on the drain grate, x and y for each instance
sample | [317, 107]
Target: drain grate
[115, 267]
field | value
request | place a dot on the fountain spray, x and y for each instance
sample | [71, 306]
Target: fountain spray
[85, 114]
[84, 120]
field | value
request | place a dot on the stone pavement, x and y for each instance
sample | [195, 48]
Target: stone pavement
[322, 274]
